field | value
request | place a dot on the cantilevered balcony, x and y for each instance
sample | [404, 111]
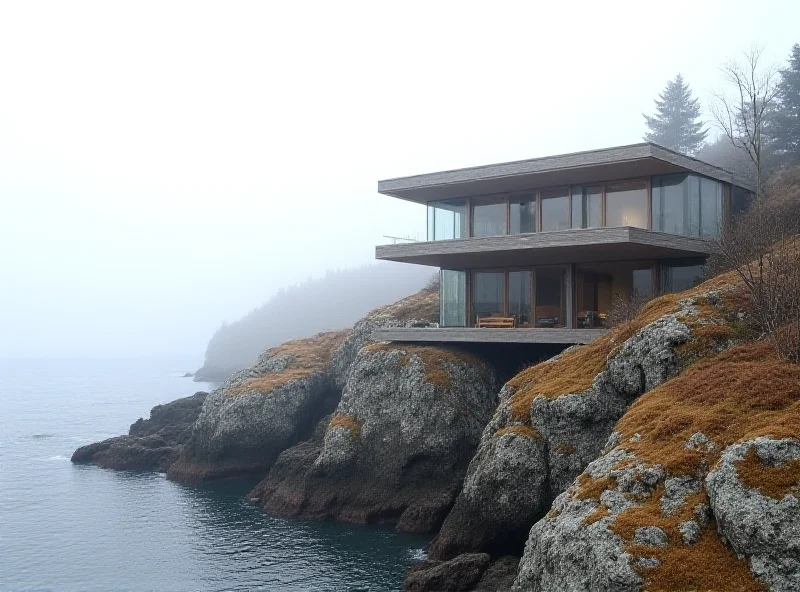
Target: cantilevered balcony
[580, 245]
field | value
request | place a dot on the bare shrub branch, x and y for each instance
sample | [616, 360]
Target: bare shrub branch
[741, 112]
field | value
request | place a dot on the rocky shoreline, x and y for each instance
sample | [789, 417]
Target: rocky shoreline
[555, 480]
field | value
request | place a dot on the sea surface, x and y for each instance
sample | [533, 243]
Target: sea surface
[65, 527]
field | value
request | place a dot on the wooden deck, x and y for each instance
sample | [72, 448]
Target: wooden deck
[471, 335]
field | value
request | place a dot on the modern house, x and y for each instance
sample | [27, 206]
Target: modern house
[538, 251]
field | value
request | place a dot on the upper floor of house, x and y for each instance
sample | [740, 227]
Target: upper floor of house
[641, 197]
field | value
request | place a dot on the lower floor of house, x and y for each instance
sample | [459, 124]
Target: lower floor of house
[569, 296]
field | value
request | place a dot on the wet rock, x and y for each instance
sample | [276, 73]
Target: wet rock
[151, 444]
[398, 444]
[500, 576]
[457, 575]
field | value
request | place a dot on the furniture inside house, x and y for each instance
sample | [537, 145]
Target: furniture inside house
[496, 322]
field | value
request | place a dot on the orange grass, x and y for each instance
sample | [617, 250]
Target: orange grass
[309, 356]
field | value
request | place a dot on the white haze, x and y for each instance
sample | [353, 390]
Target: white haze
[165, 166]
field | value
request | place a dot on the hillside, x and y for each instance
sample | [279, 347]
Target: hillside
[335, 301]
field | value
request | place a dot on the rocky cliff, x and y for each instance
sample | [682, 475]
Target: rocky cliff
[259, 412]
[397, 447]
[151, 444]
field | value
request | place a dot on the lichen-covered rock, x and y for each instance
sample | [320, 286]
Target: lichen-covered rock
[512, 479]
[397, 447]
[755, 497]
[418, 309]
[259, 412]
[151, 444]
[686, 495]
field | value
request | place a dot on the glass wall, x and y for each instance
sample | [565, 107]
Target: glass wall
[489, 219]
[522, 213]
[599, 285]
[550, 298]
[626, 204]
[682, 275]
[488, 294]
[447, 219]
[587, 207]
[740, 200]
[687, 204]
[555, 209]
[519, 296]
[453, 298]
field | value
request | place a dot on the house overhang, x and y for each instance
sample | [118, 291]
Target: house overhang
[594, 166]
[543, 248]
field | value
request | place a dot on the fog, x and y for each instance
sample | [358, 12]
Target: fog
[167, 166]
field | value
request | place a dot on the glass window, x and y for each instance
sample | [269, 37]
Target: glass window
[677, 278]
[453, 298]
[710, 207]
[519, 296]
[687, 205]
[555, 209]
[642, 283]
[523, 213]
[740, 200]
[489, 219]
[670, 204]
[626, 204]
[488, 294]
[447, 219]
[550, 302]
[587, 207]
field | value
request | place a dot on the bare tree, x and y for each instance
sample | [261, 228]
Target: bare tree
[762, 247]
[741, 112]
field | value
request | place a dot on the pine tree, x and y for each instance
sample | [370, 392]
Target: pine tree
[783, 125]
[675, 124]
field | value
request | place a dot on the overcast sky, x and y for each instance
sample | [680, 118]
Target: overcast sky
[165, 166]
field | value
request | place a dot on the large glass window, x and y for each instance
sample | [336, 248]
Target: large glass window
[626, 204]
[453, 298]
[710, 207]
[681, 276]
[687, 205]
[555, 209]
[447, 219]
[488, 294]
[587, 207]
[519, 296]
[740, 200]
[550, 301]
[522, 213]
[489, 219]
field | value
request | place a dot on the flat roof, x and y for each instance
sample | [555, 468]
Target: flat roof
[592, 166]
[579, 245]
[472, 335]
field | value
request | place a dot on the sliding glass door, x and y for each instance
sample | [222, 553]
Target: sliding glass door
[519, 296]
[453, 298]
[488, 294]
[550, 302]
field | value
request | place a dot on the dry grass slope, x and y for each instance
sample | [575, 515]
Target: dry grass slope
[734, 396]
[309, 356]
[574, 370]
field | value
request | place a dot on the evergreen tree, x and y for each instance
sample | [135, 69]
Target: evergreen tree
[675, 124]
[783, 126]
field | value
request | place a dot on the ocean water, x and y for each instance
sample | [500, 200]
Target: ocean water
[65, 527]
